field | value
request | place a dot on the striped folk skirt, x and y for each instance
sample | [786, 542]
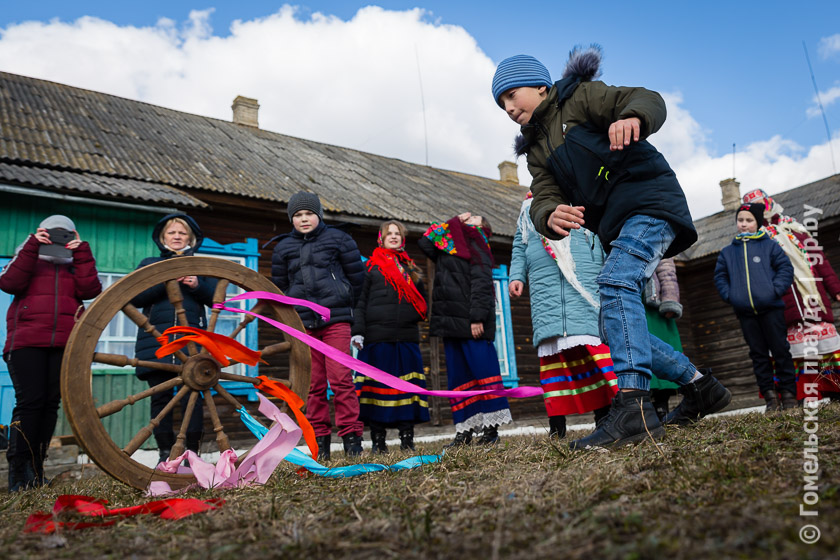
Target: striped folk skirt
[381, 404]
[473, 365]
[577, 380]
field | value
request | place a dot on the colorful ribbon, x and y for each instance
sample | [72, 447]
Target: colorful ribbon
[256, 468]
[277, 389]
[87, 506]
[296, 457]
[220, 346]
[357, 365]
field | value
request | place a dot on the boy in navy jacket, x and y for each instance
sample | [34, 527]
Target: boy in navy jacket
[322, 264]
[751, 275]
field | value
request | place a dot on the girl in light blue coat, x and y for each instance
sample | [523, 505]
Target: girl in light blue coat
[576, 370]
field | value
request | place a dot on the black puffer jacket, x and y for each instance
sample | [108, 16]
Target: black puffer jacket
[381, 316]
[155, 303]
[323, 266]
[462, 293]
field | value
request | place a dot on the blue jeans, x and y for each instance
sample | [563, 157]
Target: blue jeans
[636, 353]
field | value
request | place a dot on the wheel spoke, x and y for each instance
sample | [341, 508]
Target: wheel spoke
[179, 446]
[147, 431]
[142, 321]
[241, 378]
[276, 348]
[218, 297]
[222, 441]
[115, 406]
[122, 360]
[176, 298]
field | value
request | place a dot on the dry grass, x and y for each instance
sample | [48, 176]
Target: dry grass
[727, 488]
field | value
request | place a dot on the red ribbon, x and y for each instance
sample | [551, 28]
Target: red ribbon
[220, 346]
[87, 506]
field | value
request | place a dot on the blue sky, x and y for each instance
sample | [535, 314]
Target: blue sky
[731, 72]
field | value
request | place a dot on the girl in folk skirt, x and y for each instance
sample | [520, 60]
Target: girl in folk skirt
[385, 331]
[576, 370]
[464, 315]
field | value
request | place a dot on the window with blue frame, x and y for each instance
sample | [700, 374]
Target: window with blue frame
[504, 328]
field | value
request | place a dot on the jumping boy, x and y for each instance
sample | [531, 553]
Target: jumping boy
[587, 154]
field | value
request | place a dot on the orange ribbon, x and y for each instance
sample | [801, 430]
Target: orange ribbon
[277, 389]
[220, 346]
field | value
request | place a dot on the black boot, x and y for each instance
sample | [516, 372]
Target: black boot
[377, 438]
[788, 400]
[601, 415]
[407, 439]
[194, 441]
[490, 436]
[461, 439]
[353, 445]
[19, 476]
[165, 441]
[630, 420]
[774, 405]
[557, 427]
[701, 398]
[660, 403]
[323, 447]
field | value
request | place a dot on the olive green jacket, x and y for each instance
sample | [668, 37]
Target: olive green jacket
[612, 186]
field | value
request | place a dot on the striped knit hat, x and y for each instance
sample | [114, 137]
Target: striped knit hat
[519, 71]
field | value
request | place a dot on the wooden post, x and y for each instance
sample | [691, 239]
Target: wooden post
[434, 350]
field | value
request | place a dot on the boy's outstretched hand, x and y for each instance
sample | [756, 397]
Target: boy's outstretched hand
[565, 218]
[621, 132]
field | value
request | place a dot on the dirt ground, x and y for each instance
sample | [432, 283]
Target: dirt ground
[731, 487]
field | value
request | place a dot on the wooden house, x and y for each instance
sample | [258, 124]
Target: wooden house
[116, 166]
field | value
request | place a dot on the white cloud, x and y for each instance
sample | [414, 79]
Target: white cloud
[829, 46]
[357, 84]
[827, 98]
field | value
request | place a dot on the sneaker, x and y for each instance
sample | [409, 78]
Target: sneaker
[557, 427]
[323, 447]
[701, 398]
[353, 445]
[377, 438]
[632, 419]
[774, 405]
[407, 439]
[461, 439]
[788, 400]
[490, 436]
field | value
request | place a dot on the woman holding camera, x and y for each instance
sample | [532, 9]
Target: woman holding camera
[49, 283]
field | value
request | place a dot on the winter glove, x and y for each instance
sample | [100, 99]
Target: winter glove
[358, 341]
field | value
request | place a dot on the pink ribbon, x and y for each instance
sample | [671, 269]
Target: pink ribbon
[256, 468]
[358, 365]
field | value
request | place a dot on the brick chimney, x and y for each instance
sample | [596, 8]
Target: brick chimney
[730, 194]
[508, 173]
[245, 111]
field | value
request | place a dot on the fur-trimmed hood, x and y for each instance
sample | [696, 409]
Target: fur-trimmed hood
[583, 65]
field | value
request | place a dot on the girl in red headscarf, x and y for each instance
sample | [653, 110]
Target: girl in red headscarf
[385, 331]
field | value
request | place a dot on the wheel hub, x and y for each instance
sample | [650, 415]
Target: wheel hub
[201, 372]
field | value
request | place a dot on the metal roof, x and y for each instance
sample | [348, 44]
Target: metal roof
[108, 145]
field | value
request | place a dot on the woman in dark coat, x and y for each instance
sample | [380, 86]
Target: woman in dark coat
[385, 331]
[49, 290]
[464, 315]
[175, 235]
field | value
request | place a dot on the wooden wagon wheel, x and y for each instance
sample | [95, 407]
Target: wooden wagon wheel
[197, 373]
